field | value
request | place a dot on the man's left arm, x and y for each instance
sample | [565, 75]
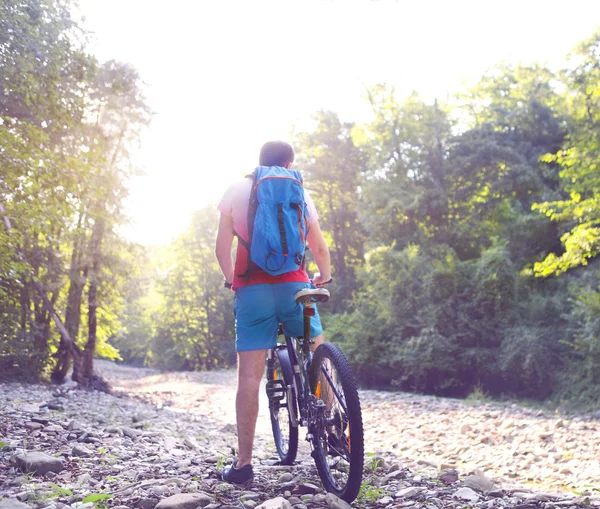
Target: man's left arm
[223, 246]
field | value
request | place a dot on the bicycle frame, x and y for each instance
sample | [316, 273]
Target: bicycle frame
[295, 357]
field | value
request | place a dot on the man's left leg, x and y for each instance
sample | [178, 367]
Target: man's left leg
[251, 367]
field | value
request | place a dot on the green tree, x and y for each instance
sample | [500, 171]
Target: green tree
[579, 210]
[333, 166]
[194, 328]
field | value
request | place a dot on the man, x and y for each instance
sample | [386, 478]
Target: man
[262, 301]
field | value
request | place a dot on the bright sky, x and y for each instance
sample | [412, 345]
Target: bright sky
[225, 76]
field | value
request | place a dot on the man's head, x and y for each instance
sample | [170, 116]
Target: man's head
[276, 153]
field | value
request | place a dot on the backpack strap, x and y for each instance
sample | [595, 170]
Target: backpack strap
[252, 205]
[282, 235]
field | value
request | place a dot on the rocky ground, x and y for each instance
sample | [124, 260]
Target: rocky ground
[160, 440]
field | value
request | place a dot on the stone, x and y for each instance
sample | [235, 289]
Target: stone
[466, 494]
[394, 467]
[82, 451]
[54, 428]
[191, 443]
[250, 495]
[11, 503]
[170, 443]
[185, 501]
[55, 405]
[395, 474]
[478, 483]
[410, 492]
[335, 502]
[385, 500]
[131, 433]
[38, 463]
[305, 488]
[33, 426]
[146, 503]
[285, 477]
[275, 503]
[449, 477]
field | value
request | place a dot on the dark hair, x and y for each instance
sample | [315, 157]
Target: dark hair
[276, 153]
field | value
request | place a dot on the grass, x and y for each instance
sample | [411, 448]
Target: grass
[478, 395]
[369, 494]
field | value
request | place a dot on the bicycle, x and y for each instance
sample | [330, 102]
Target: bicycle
[317, 391]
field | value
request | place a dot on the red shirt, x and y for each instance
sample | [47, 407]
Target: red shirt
[235, 204]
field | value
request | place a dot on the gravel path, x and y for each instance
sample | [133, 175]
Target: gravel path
[160, 436]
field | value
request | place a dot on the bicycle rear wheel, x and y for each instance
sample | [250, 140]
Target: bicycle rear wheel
[284, 433]
[338, 440]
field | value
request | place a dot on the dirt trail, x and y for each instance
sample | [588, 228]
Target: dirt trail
[515, 445]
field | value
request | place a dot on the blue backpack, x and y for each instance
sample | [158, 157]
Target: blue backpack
[278, 221]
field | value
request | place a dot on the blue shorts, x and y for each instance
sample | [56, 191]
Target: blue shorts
[259, 309]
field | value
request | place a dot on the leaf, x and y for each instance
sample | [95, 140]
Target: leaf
[95, 497]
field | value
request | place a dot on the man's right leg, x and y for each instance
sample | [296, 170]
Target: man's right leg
[251, 366]
[255, 330]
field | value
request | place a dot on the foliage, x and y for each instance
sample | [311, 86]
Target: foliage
[439, 216]
[178, 314]
[333, 167]
[579, 158]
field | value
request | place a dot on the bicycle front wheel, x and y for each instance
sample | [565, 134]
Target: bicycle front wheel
[338, 440]
[280, 399]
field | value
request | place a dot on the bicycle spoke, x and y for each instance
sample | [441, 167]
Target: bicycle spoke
[339, 447]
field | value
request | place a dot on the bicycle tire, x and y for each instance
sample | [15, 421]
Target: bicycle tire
[332, 474]
[284, 433]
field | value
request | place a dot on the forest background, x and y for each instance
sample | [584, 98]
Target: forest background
[464, 234]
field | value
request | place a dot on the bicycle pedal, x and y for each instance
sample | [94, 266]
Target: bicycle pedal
[276, 390]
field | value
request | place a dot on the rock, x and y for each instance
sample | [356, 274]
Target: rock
[32, 426]
[286, 477]
[385, 500]
[191, 443]
[409, 492]
[146, 503]
[54, 428]
[250, 504]
[75, 426]
[478, 483]
[449, 477]
[11, 503]
[275, 503]
[55, 405]
[394, 467]
[395, 474]
[305, 489]
[82, 451]
[336, 502]
[131, 433]
[38, 463]
[185, 501]
[466, 494]
[250, 495]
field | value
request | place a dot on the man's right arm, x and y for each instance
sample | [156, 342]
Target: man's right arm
[320, 253]
[223, 246]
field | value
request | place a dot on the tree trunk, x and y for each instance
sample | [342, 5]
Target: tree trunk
[64, 334]
[77, 280]
[90, 348]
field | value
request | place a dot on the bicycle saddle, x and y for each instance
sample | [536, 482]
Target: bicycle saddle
[311, 295]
